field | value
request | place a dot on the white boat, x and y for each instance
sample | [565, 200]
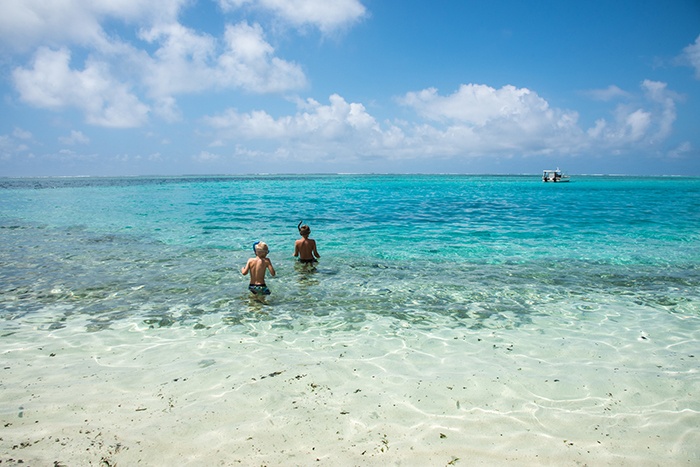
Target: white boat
[554, 176]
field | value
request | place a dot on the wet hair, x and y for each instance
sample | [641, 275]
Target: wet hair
[303, 229]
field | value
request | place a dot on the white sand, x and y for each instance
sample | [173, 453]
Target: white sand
[389, 395]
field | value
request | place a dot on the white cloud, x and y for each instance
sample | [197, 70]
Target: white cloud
[51, 83]
[179, 64]
[612, 92]
[75, 137]
[692, 54]
[166, 108]
[518, 122]
[205, 156]
[188, 62]
[477, 117]
[637, 123]
[15, 144]
[126, 78]
[334, 122]
[479, 105]
[7, 148]
[681, 150]
[25, 24]
[476, 120]
[21, 134]
[69, 156]
[180, 60]
[648, 120]
[248, 62]
[324, 14]
[665, 100]
[339, 130]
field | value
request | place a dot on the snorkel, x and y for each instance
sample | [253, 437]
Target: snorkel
[304, 230]
[255, 248]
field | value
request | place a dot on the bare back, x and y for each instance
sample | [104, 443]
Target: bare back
[305, 248]
[257, 267]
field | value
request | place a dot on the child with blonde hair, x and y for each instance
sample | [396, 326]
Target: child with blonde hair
[257, 267]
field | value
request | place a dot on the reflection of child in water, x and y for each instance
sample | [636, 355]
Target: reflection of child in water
[257, 267]
[305, 247]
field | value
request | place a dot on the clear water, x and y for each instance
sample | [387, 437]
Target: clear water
[433, 249]
[441, 265]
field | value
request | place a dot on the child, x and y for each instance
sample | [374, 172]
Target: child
[305, 247]
[257, 267]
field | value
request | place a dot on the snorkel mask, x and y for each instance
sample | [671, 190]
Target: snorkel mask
[255, 245]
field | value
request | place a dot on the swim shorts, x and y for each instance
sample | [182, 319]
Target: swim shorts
[259, 289]
[308, 261]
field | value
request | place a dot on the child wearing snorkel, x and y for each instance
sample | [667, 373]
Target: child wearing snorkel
[305, 247]
[257, 267]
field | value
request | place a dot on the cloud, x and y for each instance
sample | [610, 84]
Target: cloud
[75, 137]
[474, 121]
[681, 151]
[338, 121]
[339, 129]
[476, 104]
[21, 134]
[15, 144]
[610, 93]
[185, 61]
[50, 83]
[25, 24]
[496, 122]
[248, 62]
[692, 55]
[120, 62]
[7, 148]
[647, 120]
[665, 100]
[326, 15]
[179, 62]
[477, 117]
[205, 157]
[118, 76]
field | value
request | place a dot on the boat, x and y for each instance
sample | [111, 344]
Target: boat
[554, 176]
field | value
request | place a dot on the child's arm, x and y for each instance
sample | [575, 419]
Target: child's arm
[296, 248]
[246, 268]
[270, 268]
[314, 250]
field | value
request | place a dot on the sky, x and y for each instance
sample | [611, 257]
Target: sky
[180, 87]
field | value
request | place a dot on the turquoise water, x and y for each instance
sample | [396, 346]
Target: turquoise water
[491, 314]
[416, 247]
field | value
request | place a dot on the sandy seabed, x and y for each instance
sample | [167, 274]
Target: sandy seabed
[384, 394]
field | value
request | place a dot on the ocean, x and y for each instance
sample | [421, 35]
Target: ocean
[451, 320]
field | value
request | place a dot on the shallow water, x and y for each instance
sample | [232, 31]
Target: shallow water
[493, 318]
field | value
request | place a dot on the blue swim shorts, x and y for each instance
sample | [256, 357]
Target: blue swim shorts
[259, 289]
